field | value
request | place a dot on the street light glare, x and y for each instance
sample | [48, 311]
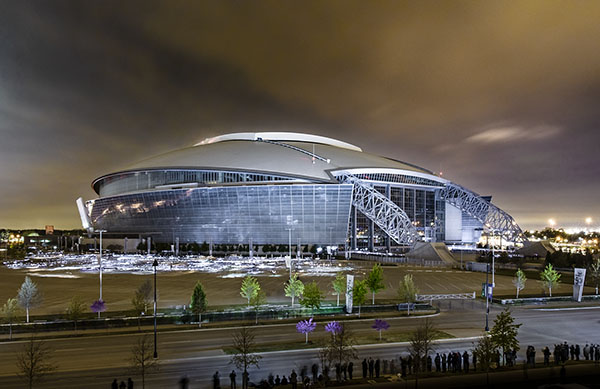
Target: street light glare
[588, 220]
[552, 222]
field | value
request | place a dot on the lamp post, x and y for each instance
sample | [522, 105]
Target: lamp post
[155, 264]
[487, 299]
[100, 266]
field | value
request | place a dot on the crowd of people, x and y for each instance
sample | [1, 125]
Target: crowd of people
[404, 366]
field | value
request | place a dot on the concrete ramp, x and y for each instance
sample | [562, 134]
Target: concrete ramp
[428, 251]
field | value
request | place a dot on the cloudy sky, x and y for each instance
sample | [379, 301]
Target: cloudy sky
[503, 97]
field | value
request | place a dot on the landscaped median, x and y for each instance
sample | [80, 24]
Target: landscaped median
[393, 337]
[170, 320]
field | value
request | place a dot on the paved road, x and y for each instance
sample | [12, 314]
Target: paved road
[97, 360]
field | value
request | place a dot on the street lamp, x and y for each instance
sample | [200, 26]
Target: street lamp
[487, 299]
[155, 264]
[100, 266]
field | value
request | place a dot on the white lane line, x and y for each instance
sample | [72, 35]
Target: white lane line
[565, 309]
[71, 349]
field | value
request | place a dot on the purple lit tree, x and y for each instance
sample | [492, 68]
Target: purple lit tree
[98, 306]
[380, 325]
[333, 327]
[306, 327]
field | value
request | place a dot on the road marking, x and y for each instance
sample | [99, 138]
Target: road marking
[70, 349]
[565, 309]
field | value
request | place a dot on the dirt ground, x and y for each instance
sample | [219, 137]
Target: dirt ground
[175, 287]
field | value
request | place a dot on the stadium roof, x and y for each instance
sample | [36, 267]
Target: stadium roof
[280, 153]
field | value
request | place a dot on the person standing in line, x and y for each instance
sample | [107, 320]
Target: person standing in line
[232, 376]
[377, 368]
[216, 380]
[371, 367]
[350, 370]
[364, 367]
[115, 384]
[465, 357]
[122, 385]
[129, 383]
[294, 379]
[315, 372]
[184, 382]
[245, 379]
[438, 362]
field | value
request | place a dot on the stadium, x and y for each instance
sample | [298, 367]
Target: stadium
[290, 189]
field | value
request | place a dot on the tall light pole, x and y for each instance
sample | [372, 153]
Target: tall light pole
[100, 266]
[487, 299]
[155, 264]
[493, 262]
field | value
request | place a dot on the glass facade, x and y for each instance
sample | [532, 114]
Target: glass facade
[145, 180]
[315, 213]
[422, 205]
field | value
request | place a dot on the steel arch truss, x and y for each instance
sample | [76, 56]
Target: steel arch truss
[493, 218]
[382, 211]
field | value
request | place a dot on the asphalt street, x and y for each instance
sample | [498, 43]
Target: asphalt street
[97, 360]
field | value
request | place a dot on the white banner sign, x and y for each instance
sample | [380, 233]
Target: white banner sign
[578, 281]
[349, 288]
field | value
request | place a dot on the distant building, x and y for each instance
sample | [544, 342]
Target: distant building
[277, 188]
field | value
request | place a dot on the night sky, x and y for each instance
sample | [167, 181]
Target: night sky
[502, 96]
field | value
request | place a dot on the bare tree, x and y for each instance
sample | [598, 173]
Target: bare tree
[9, 311]
[421, 345]
[340, 347]
[142, 357]
[244, 346]
[32, 362]
[29, 296]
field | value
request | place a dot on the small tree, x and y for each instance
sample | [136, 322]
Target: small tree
[306, 327]
[75, 309]
[32, 362]
[139, 307]
[550, 278]
[504, 332]
[29, 296]
[294, 288]
[142, 357]
[198, 302]
[375, 280]
[98, 306]
[421, 345]
[257, 301]
[595, 273]
[485, 352]
[144, 294]
[407, 291]
[519, 281]
[339, 286]
[250, 288]
[312, 296]
[244, 355]
[333, 327]
[340, 347]
[9, 312]
[380, 325]
[359, 293]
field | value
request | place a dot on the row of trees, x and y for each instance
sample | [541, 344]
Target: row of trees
[29, 296]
